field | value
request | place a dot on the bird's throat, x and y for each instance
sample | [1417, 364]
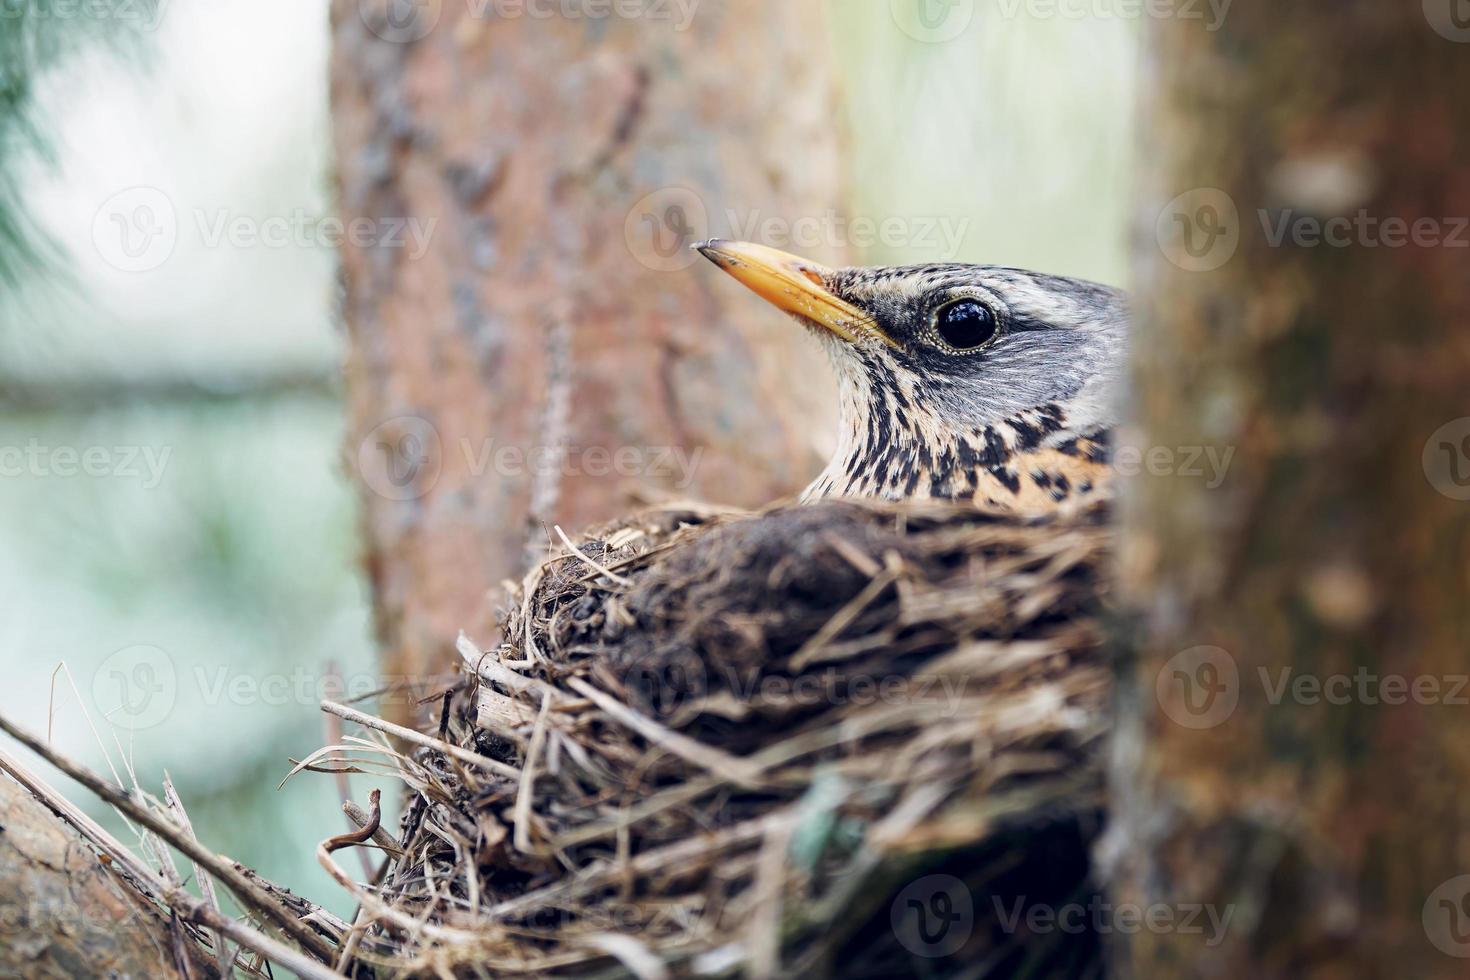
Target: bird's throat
[1032, 463]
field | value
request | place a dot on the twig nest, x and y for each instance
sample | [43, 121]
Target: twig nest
[835, 740]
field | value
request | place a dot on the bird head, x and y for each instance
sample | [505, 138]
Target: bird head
[950, 353]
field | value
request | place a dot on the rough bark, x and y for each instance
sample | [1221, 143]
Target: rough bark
[541, 319]
[1331, 825]
[63, 914]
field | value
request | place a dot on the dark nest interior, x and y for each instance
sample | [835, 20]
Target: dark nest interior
[846, 739]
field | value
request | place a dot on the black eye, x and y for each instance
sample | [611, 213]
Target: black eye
[966, 324]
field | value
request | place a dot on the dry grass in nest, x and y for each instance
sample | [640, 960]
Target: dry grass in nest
[716, 744]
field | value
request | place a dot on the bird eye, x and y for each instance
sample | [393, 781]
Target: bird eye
[966, 324]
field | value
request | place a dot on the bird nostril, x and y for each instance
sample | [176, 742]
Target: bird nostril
[814, 276]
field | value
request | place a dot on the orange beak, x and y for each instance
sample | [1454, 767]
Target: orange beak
[792, 284]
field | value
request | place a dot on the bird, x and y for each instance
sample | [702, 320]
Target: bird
[982, 383]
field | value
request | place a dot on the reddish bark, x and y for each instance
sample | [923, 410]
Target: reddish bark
[541, 318]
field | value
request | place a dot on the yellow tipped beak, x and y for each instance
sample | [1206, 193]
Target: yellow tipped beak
[791, 284]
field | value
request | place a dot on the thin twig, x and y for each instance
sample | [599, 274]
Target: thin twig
[380, 837]
[527, 789]
[362, 834]
[625, 582]
[206, 885]
[418, 738]
[598, 876]
[333, 726]
[733, 768]
[843, 618]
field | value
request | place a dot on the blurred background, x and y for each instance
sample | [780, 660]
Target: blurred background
[179, 512]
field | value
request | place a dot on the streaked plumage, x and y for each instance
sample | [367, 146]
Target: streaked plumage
[1020, 421]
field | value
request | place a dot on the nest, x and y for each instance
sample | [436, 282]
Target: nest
[835, 740]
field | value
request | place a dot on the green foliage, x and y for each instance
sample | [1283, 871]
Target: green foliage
[35, 36]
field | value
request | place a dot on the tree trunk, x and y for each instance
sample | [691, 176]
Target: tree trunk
[1294, 742]
[553, 350]
[64, 914]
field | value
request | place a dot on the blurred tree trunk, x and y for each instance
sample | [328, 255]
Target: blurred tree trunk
[553, 348]
[64, 914]
[1330, 823]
